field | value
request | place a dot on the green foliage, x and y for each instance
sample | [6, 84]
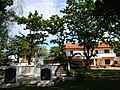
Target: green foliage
[37, 35]
[17, 46]
[44, 52]
[109, 12]
[5, 22]
[57, 54]
[4, 4]
[57, 27]
[83, 26]
[117, 47]
[54, 51]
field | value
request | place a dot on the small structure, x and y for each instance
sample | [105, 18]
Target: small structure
[45, 76]
[10, 77]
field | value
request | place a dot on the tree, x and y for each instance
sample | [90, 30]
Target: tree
[117, 47]
[54, 51]
[18, 47]
[44, 52]
[37, 35]
[109, 12]
[5, 16]
[56, 26]
[83, 26]
[5, 20]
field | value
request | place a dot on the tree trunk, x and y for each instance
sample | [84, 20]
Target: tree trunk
[87, 63]
[68, 72]
[18, 58]
[29, 59]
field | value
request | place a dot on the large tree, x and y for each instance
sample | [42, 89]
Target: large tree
[5, 19]
[56, 26]
[84, 28]
[17, 46]
[5, 16]
[35, 25]
[109, 13]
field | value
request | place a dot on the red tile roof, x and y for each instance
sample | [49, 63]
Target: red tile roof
[76, 46]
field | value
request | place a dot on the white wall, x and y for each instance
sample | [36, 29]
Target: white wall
[100, 53]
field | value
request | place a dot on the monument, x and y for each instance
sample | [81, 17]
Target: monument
[38, 61]
[43, 70]
[39, 58]
[45, 76]
[10, 77]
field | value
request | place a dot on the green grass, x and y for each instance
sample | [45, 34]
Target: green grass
[101, 72]
[88, 84]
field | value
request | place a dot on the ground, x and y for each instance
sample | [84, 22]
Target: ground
[88, 84]
[100, 79]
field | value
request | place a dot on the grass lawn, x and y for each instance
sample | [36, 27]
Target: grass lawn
[92, 81]
[77, 85]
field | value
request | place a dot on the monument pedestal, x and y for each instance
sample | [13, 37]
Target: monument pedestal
[45, 83]
[10, 78]
[10, 85]
[45, 76]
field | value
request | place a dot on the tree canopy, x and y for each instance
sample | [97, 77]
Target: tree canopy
[84, 21]
[109, 12]
[35, 25]
[5, 16]
[84, 28]
[5, 20]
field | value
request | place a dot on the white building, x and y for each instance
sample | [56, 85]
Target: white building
[105, 55]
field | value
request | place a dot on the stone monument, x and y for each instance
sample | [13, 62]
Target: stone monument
[10, 77]
[39, 58]
[38, 61]
[45, 76]
[43, 70]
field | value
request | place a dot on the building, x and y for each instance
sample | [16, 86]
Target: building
[105, 56]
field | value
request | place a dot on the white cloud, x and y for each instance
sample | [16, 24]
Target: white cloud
[45, 7]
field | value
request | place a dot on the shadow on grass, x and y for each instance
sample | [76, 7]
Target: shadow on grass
[89, 84]
[101, 80]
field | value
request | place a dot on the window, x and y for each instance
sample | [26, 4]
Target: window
[106, 51]
[96, 51]
[107, 61]
[71, 52]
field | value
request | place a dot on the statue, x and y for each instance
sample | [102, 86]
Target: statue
[39, 58]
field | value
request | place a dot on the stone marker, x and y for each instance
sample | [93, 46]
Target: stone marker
[10, 75]
[45, 76]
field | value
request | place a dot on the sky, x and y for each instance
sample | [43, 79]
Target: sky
[45, 7]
